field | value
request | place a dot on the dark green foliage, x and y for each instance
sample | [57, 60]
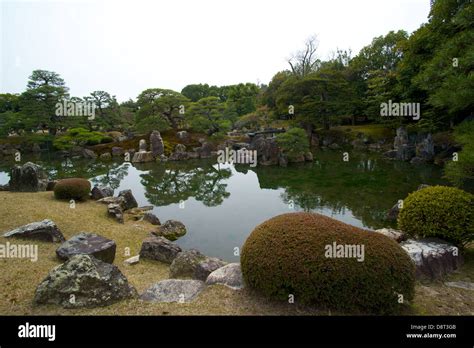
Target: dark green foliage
[80, 137]
[293, 143]
[439, 211]
[286, 255]
[73, 188]
[461, 172]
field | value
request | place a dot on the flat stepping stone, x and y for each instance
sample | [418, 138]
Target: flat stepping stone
[173, 290]
[89, 244]
[43, 230]
[461, 285]
[230, 275]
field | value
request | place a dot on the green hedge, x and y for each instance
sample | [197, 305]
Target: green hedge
[72, 188]
[439, 211]
[287, 255]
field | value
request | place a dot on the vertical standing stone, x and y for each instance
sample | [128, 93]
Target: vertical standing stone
[157, 147]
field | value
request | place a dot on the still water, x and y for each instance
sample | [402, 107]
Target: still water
[221, 204]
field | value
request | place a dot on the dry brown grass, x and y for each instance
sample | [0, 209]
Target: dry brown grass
[19, 277]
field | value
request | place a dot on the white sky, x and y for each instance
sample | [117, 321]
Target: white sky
[124, 47]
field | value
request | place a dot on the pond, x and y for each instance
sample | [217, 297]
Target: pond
[221, 204]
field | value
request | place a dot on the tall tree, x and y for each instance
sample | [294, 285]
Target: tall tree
[44, 90]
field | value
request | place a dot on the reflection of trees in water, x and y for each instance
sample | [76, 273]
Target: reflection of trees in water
[113, 176]
[178, 181]
[100, 172]
[366, 185]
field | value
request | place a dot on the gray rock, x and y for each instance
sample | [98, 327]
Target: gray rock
[42, 230]
[173, 290]
[461, 285]
[86, 153]
[433, 257]
[171, 230]
[157, 147]
[142, 147]
[28, 178]
[151, 218]
[396, 235]
[116, 211]
[179, 153]
[229, 275]
[192, 264]
[99, 192]
[268, 151]
[112, 200]
[84, 281]
[183, 135]
[117, 151]
[106, 156]
[393, 212]
[143, 157]
[5, 187]
[90, 244]
[159, 249]
[308, 156]
[425, 149]
[129, 200]
[205, 151]
[132, 260]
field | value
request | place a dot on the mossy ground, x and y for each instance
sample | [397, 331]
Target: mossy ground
[19, 277]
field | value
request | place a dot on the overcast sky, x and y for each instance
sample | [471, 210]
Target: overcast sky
[124, 47]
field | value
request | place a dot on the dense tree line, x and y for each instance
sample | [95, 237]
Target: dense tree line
[432, 66]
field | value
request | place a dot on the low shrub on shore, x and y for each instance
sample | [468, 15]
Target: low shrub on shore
[288, 255]
[72, 188]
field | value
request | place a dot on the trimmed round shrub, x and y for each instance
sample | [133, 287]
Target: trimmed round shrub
[73, 188]
[439, 211]
[290, 255]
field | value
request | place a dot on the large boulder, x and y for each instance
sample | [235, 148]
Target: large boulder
[268, 151]
[43, 230]
[173, 290]
[405, 150]
[142, 157]
[205, 151]
[171, 230]
[433, 257]
[159, 249]
[229, 275]
[88, 243]
[179, 153]
[84, 281]
[151, 218]
[129, 200]
[29, 177]
[99, 192]
[192, 264]
[157, 147]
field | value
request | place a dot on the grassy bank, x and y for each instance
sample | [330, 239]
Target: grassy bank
[19, 277]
